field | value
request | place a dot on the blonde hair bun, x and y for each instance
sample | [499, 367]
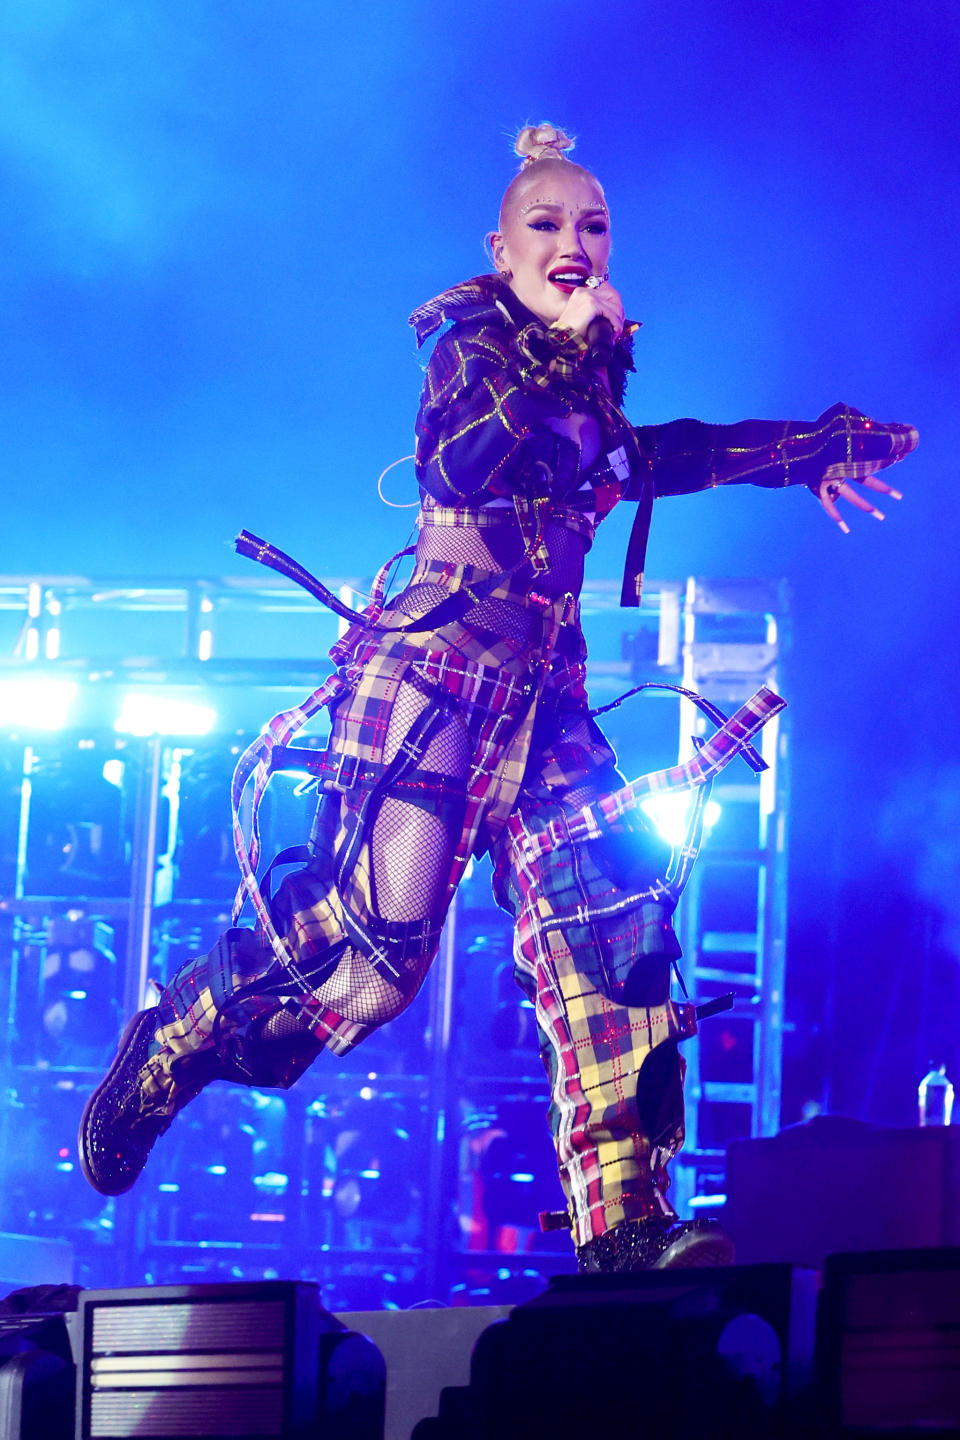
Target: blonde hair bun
[542, 142]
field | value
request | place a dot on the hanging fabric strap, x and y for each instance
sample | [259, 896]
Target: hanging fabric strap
[452, 608]
[637, 548]
[291, 855]
[665, 889]
[264, 553]
[256, 763]
[700, 770]
[713, 712]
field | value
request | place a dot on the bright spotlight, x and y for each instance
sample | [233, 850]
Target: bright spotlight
[153, 714]
[113, 772]
[36, 703]
[671, 814]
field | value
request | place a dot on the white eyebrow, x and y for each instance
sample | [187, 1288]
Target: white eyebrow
[558, 205]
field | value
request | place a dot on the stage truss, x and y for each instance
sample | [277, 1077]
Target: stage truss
[420, 1164]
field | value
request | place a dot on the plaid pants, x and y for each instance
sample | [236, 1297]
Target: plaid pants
[593, 943]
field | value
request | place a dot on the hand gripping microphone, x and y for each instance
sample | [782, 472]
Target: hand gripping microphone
[599, 332]
[601, 342]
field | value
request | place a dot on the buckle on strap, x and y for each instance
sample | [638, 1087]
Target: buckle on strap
[336, 771]
[344, 774]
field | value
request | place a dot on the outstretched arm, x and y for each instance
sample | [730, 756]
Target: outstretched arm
[824, 454]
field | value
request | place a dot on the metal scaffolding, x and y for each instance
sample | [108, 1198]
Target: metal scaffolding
[734, 913]
[235, 651]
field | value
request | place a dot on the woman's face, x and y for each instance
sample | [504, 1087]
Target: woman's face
[556, 233]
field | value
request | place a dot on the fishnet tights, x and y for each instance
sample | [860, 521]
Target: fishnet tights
[411, 850]
[501, 617]
[280, 1026]
[358, 991]
[575, 797]
[508, 622]
[411, 853]
[490, 548]
[499, 547]
[418, 599]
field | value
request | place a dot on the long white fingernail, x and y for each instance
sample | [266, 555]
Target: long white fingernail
[878, 515]
[844, 527]
[895, 495]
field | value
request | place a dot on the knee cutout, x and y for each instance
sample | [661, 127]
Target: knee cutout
[648, 981]
[279, 1049]
[660, 1092]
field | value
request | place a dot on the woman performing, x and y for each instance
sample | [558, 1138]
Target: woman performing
[460, 724]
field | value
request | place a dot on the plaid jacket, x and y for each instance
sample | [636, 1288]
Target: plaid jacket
[489, 387]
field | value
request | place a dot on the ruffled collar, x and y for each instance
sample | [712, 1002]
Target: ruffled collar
[490, 296]
[469, 298]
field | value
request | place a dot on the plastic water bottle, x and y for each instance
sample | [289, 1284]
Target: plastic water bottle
[935, 1097]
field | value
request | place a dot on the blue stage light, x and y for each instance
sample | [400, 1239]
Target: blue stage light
[272, 1180]
[36, 703]
[147, 713]
[670, 813]
[113, 772]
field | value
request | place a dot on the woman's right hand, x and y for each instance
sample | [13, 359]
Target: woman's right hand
[586, 305]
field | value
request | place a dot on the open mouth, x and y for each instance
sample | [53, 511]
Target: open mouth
[567, 280]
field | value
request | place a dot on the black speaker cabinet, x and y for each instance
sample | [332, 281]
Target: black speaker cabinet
[37, 1379]
[243, 1360]
[724, 1353]
[836, 1185]
[888, 1344]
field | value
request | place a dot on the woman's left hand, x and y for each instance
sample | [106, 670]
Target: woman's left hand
[836, 485]
[851, 448]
